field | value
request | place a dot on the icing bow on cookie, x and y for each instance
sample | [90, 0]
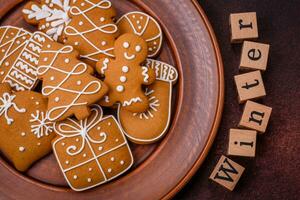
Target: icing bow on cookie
[7, 103]
[82, 129]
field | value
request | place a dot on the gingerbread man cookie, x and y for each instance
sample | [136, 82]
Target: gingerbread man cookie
[92, 30]
[144, 26]
[25, 131]
[19, 56]
[92, 151]
[125, 75]
[151, 125]
[67, 82]
[51, 16]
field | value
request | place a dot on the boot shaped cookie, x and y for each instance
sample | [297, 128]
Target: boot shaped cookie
[125, 75]
[67, 82]
[144, 26]
[25, 131]
[92, 151]
[19, 56]
[151, 125]
[51, 16]
[92, 30]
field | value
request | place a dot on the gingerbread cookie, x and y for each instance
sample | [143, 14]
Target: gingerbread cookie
[92, 30]
[92, 151]
[25, 131]
[51, 16]
[151, 125]
[144, 26]
[19, 55]
[67, 82]
[125, 75]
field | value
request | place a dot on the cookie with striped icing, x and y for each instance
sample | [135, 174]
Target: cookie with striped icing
[19, 56]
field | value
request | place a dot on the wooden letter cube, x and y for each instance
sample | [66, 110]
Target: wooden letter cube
[255, 116]
[242, 142]
[243, 26]
[250, 86]
[227, 173]
[254, 56]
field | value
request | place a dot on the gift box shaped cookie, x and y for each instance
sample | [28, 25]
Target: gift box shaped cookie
[91, 152]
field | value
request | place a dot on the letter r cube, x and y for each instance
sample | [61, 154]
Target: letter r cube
[243, 26]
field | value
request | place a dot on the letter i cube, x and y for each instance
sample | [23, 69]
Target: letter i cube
[243, 26]
[242, 142]
[254, 56]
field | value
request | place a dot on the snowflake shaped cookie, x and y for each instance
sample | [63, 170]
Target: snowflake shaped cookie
[51, 16]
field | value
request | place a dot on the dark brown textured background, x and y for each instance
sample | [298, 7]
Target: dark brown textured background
[274, 172]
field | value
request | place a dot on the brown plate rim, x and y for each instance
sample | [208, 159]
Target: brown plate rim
[219, 106]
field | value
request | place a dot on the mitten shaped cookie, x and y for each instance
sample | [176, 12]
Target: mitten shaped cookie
[67, 82]
[150, 126]
[51, 16]
[125, 75]
[19, 56]
[92, 30]
[92, 151]
[25, 131]
[145, 26]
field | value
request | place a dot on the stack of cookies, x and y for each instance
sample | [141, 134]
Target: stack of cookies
[86, 60]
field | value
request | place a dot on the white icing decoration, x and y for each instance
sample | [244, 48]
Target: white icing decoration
[106, 28]
[123, 79]
[129, 57]
[138, 48]
[78, 82]
[153, 105]
[89, 180]
[125, 69]
[82, 130]
[40, 125]
[67, 60]
[74, 129]
[117, 140]
[100, 148]
[21, 149]
[80, 23]
[37, 103]
[6, 63]
[23, 134]
[122, 162]
[109, 170]
[67, 162]
[112, 159]
[75, 177]
[78, 69]
[56, 99]
[145, 74]
[120, 88]
[131, 101]
[56, 19]
[6, 102]
[126, 45]
[103, 43]
[52, 78]
[140, 30]
[104, 65]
